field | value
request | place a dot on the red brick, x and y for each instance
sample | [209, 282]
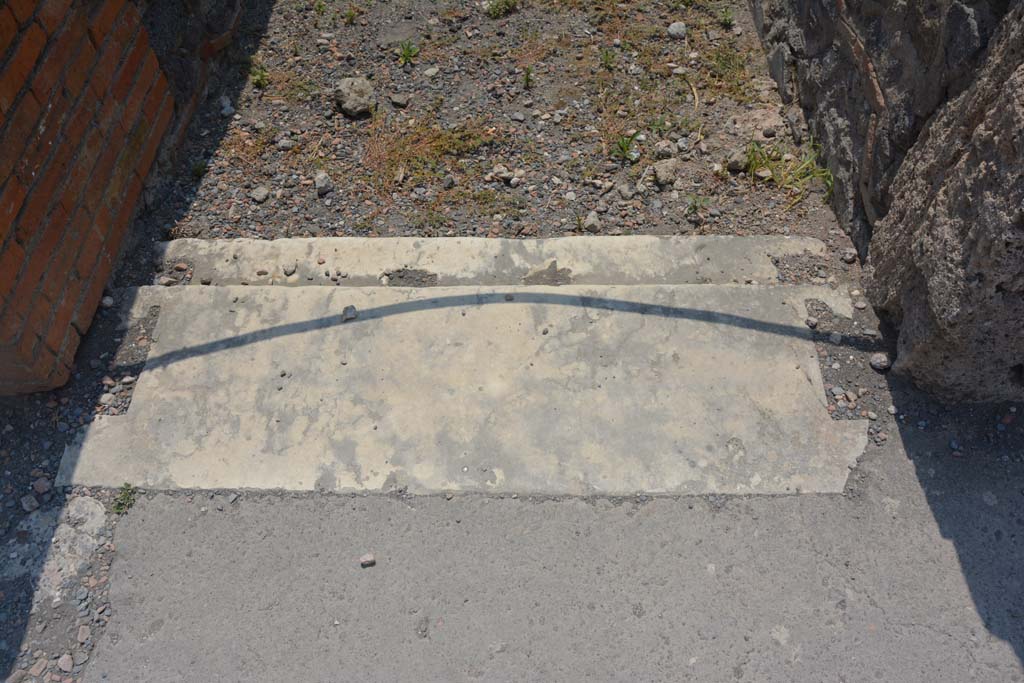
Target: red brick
[22, 9]
[58, 329]
[78, 69]
[41, 142]
[131, 151]
[67, 351]
[52, 14]
[156, 135]
[124, 217]
[56, 58]
[103, 19]
[112, 54]
[131, 14]
[18, 68]
[100, 177]
[126, 75]
[42, 194]
[59, 271]
[12, 142]
[40, 256]
[39, 314]
[140, 88]
[11, 325]
[11, 259]
[89, 251]
[80, 171]
[91, 297]
[11, 199]
[8, 29]
[28, 343]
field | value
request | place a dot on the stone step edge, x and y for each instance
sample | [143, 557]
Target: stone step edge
[457, 261]
[135, 303]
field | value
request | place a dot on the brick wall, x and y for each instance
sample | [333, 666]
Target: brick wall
[84, 106]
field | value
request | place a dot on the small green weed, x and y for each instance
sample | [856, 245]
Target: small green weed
[125, 498]
[320, 7]
[199, 169]
[351, 14]
[528, 78]
[407, 52]
[726, 18]
[695, 205]
[607, 59]
[794, 174]
[625, 149]
[496, 9]
[259, 76]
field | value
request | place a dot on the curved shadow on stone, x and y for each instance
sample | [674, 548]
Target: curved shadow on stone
[502, 298]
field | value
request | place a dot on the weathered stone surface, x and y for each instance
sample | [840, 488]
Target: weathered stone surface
[568, 390]
[949, 257]
[919, 110]
[868, 76]
[354, 97]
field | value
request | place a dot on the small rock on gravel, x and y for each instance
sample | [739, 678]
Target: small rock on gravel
[592, 223]
[323, 184]
[29, 503]
[737, 162]
[880, 361]
[666, 172]
[260, 194]
[66, 663]
[367, 560]
[677, 30]
[848, 255]
[354, 97]
[349, 313]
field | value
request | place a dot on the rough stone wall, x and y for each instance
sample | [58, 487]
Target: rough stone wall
[918, 108]
[948, 259]
[868, 76]
[83, 108]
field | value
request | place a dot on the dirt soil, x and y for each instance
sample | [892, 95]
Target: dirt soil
[520, 125]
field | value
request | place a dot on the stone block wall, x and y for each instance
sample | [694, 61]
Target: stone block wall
[919, 109]
[83, 109]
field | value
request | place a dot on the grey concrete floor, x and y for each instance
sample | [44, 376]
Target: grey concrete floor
[912, 575]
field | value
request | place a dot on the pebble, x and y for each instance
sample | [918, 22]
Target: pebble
[66, 663]
[260, 194]
[431, 72]
[677, 30]
[367, 560]
[107, 301]
[880, 361]
[848, 255]
[349, 313]
[29, 503]
[811, 322]
[592, 223]
[322, 183]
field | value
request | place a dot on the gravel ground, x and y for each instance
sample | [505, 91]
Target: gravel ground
[598, 73]
[561, 118]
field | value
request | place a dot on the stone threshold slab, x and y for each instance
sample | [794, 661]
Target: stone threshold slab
[456, 261]
[576, 390]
